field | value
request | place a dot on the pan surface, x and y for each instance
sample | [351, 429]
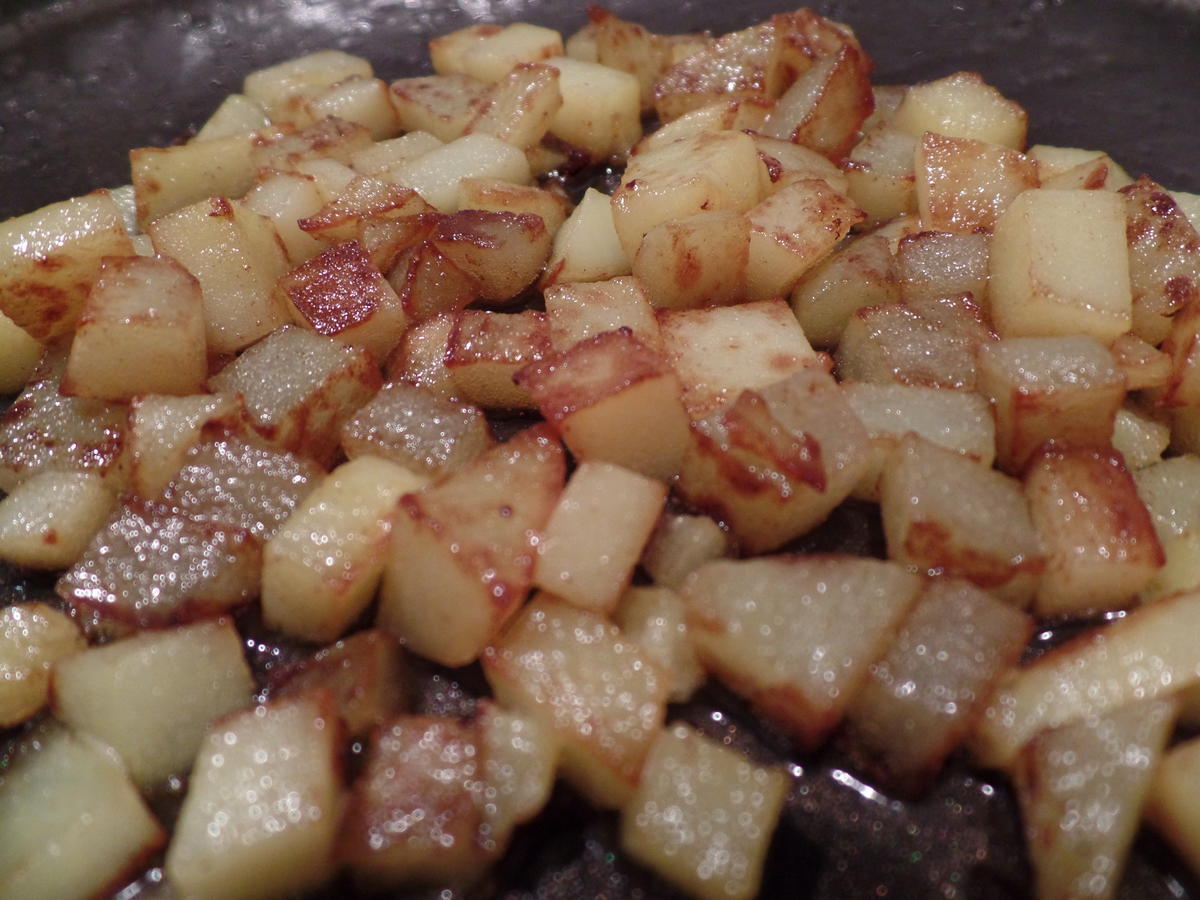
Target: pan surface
[82, 81]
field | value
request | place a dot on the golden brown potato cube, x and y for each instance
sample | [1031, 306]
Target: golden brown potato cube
[860, 274]
[628, 47]
[676, 266]
[825, 107]
[494, 195]
[775, 463]
[521, 106]
[50, 258]
[273, 85]
[963, 184]
[341, 295]
[48, 520]
[285, 198]
[990, 541]
[792, 230]
[437, 174]
[586, 247]
[364, 198]
[1059, 266]
[427, 282]
[962, 106]
[329, 140]
[681, 544]
[923, 696]
[416, 429]
[485, 350]
[300, 387]
[237, 257]
[596, 533]
[934, 264]
[796, 635]
[720, 351]
[1097, 174]
[601, 109]
[579, 311]
[1081, 789]
[169, 178]
[656, 620]
[737, 66]
[357, 99]
[462, 554]
[598, 692]
[44, 429]
[1099, 541]
[613, 400]
[442, 105]
[420, 358]
[501, 252]
[33, 637]
[931, 343]
[703, 815]
[141, 332]
[1066, 389]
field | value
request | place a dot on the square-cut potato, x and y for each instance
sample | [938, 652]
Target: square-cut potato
[520, 107]
[601, 108]
[586, 247]
[826, 106]
[485, 350]
[495, 195]
[862, 273]
[236, 114]
[582, 310]
[492, 55]
[1169, 806]
[33, 637]
[441, 105]
[655, 618]
[383, 155]
[48, 520]
[963, 185]
[272, 86]
[676, 266]
[436, 174]
[681, 544]
[163, 429]
[880, 176]
[363, 101]
[962, 105]
[1140, 435]
[720, 115]
[935, 264]
[502, 252]
[169, 178]
[285, 198]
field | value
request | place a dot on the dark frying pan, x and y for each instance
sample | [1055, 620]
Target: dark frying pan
[82, 81]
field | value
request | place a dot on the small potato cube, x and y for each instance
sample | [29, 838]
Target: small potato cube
[1059, 266]
[33, 637]
[383, 155]
[491, 56]
[363, 101]
[502, 252]
[446, 50]
[596, 533]
[329, 141]
[436, 174]
[261, 814]
[285, 198]
[796, 635]
[785, 162]
[656, 620]
[520, 761]
[1140, 436]
[141, 332]
[485, 351]
[163, 429]
[860, 274]
[365, 198]
[962, 106]
[237, 257]
[825, 107]
[613, 400]
[300, 387]
[73, 823]
[601, 110]
[520, 107]
[626, 46]
[321, 568]
[236, 114]
[49, 259]
[272, 86]
[420, 358]
[680, 545]
[1066, 389]
[598, 692]
[676, 266]
[933, 264]
[1143, 364]
[720, 115]
[1099, 541]
[425, 280]
[19, 355]
[463, 550]
[139, 694]
[441, 105]
[703, 815]
[494, 195]
[880, 176]
[963, 185]
[579, 311]
[169, 178]
[586, 247]
[990, 541]
[48, 520]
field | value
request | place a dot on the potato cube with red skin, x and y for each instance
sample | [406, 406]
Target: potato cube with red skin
[656, 620]
[141, 332]
[703, 815]
[365, 198]
[962, 106]
[796, 635]
[862, 273]
[825, 107]
[463, 550]
[322, 567]
[597, 691]
[485, 350]
[74, 825]
[48, 520]
[923, 697]
[719, 352]
[502, 252]
[299, 388]
[776, 462]
[139, 694]
[237, 257]
[583, 310]
[586, 246]
[261, 814]
[340, 294]
[678, 269]
[442, 105]
[1066, 389]
[33, 637]
[963, 185]
[1081, 790]
[50, 258]
[612, 399]
[596, 533]
[932, 265]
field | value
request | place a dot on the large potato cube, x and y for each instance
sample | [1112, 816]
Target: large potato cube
[963, 185]
[962, 106]
[579, 311]
[860, 274]
[162, 430]
[169, 178]
[436, 174]
[601, 109]
[676, 266]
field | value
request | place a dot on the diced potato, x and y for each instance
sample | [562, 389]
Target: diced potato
[363, 101]
[420, 358]
[962, 106]
[33, 637]
[272, 86]
[446, 50]
[580, 310]
[285, 198]
[676, 266]
[19, 355]
[880, 175]
[441, 105]
[520, 760]
[1059, 266]
[680, 545]
[49, 259]
[325, 142]
[596, 533]
[261, 814]
[300, 388]
[703, 815]
[73, 823]
[1144, 365]
[990, 541]
[825, 107]
[597, 691]
[586, 247]
[365, 199]
[139, 694]
[740, 65]
[163, 429]
[495, 195]
[1169, 806]
[385, 154]
[321, 569]
[141, 332]
[963, 185]
[656, 620]
[1171, 491]
[462, 554]
[720, 115]
[796, 635]
[236, 114]
[485, 351]
[1046, 388]
[601, 110]
[428, 283]
[1139, 436]
[521, 106]
[922, 697]
[493, 55]
[237, 257]
[436, 174]
[166, 179]
[785, 162]
[860, 274]
[48, 520]
[502, 252]
[933, 264]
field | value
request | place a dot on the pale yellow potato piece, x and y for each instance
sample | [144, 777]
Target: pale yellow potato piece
[596, 533]
[521, 106]
[285, 198]
[586, 247]
[600, 111]
[235, 115]
[272, 86]
[363, 101]
[321, 568]
[676, 266]
[33, 637]
[862, 273]
[491, 56]
[163, 429]
[681, 544]
[581, 310]
[656, 620]
[1170, 804]
[386, 154]
[19, 355]
[436, 175]
[48, 520]
[961, 105]
[1059, 266]
[494, 195]
[169, 178]
[446, 50]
